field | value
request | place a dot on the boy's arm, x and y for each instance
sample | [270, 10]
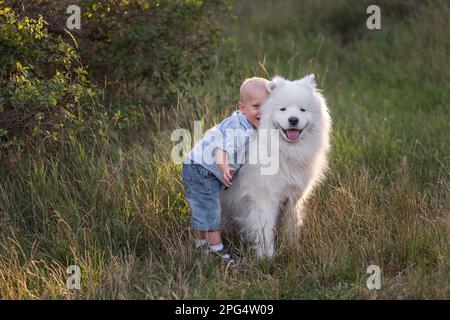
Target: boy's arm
[225, 169]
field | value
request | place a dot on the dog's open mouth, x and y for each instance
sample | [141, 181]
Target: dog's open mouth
[292, 134]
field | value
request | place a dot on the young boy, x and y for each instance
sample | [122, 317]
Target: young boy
[211, 164]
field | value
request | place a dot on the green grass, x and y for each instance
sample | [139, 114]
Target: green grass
[117, 210]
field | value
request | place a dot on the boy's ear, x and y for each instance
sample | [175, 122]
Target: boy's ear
[277, 82]
[240, 106]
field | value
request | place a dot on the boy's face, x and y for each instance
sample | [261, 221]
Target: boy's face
[251, 104]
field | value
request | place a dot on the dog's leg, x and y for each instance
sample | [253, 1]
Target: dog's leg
[292, 221]
[260, 225]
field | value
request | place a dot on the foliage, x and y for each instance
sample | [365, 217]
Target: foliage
[44, 87]
[142, 54]
[158, 46]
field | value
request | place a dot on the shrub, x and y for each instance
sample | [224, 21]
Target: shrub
[44, 87]
[163, 46]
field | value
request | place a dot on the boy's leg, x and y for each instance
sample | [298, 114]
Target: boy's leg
[213, 238]
[199, 234]
[199, 239]
[203, 197]
[192, 187]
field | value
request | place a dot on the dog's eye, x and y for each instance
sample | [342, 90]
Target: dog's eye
[282, 109]
[302, 110]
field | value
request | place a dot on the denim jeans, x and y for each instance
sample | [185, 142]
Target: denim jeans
[202, 190]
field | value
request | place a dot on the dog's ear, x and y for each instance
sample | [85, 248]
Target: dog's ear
[309, 80]
[276, 82]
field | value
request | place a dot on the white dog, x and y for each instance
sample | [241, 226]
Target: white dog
[259, 203]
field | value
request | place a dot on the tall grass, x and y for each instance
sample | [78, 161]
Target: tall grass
[116, 208]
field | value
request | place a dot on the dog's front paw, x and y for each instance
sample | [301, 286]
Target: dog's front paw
[264, 251]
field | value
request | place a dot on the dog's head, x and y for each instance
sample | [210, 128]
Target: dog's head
[293, 107]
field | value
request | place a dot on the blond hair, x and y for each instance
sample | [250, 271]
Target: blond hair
[252, 83]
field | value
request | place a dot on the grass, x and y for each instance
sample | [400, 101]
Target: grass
[116, 208]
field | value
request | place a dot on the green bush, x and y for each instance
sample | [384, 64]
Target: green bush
[158, 47]
[44, 89]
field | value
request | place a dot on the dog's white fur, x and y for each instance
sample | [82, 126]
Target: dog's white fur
[257, 204]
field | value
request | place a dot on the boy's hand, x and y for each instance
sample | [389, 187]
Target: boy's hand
[227, 174]
[225, 169]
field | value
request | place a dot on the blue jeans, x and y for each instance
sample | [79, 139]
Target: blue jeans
[202, 190]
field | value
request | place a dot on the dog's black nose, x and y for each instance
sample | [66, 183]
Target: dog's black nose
[293, 121]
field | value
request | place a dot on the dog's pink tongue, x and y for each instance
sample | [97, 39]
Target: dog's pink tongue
[293, 134]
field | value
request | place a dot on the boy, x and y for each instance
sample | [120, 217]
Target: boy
[211, 164]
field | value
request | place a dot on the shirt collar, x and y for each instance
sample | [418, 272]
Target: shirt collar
[243, 120]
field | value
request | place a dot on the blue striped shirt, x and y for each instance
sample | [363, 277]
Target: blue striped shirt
[231, 135]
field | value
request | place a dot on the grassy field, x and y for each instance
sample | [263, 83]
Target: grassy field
[116, 209]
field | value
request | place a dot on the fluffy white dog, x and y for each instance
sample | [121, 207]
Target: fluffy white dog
[258, 203]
